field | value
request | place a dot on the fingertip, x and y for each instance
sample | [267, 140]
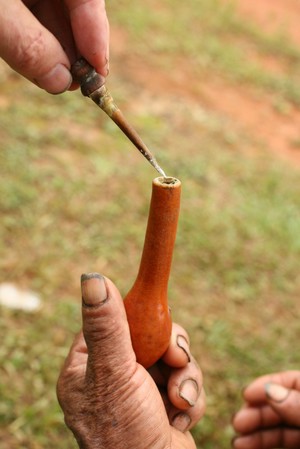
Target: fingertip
[184, 418]
[276, 392]
[94, 289]
[246, 392]
[102, 67]
[105, 327]
[240, 419]
[243, 442]
[183, 344]
[189, 392]
[178, 353]
[181, 421]
[56, 81]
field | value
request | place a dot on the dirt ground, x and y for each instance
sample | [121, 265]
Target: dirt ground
[250, 112]
[272, 15]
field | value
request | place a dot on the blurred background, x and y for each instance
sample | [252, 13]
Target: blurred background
[213, 88]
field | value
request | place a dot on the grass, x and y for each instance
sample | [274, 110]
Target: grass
[74, 197]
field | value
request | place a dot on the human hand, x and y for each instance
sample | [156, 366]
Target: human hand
[40, 39]
[108, 399]
[271, 416]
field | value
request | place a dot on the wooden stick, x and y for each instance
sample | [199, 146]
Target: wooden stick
[93, 86]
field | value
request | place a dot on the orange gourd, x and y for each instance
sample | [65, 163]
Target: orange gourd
[146, 303]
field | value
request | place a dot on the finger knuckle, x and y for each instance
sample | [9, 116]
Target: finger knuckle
[31, 51]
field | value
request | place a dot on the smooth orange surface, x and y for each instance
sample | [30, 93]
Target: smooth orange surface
[147, 302]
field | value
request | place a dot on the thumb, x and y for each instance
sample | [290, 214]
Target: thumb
[285, 402]
[105, 328]
[30, 49]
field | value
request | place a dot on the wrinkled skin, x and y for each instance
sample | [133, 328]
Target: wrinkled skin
[110, 401]
[40, 39]
[270, 418]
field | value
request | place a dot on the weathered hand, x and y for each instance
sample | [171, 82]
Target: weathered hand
[271, 416]
[40, 39]
[110, 401]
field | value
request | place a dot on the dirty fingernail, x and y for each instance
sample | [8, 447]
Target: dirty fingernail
[183, 344]
[189, 391]
[93, 289]
[276, 392]
[181, 421]
[57, 81]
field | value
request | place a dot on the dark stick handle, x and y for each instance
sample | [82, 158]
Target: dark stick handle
[85, 75]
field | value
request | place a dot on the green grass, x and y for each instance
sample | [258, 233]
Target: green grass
[74, 197]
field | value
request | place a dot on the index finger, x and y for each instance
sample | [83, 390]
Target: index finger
[91, 31]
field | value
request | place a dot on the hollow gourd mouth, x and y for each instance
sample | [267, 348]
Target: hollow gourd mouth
[167, 181]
